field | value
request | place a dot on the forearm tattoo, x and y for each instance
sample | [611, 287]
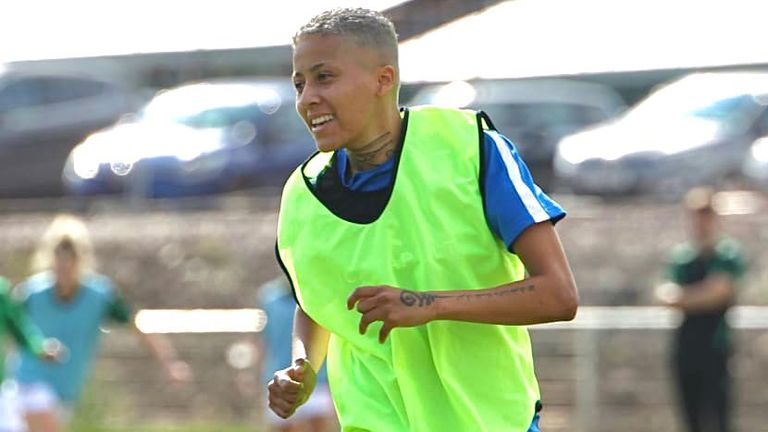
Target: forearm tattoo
[423, 299]
[410, 298]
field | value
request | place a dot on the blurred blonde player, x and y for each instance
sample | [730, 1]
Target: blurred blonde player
[67, 300]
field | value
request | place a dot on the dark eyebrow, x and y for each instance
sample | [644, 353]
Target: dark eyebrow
[317, 66]
[311, 69]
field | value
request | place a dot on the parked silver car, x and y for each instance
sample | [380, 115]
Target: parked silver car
[196, 139]
[533, 113]
[695, 130]
[42, 116]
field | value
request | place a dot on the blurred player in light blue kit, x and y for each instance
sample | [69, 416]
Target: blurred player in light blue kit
[67, 300]
[317, 415]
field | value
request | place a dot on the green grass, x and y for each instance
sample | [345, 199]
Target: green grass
[91, 415]
[192, 428]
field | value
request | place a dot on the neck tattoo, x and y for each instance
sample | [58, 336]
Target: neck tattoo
[372, 154]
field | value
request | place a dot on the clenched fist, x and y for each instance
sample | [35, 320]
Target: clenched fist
[291, 387]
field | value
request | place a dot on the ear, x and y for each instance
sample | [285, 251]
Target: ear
[387, 79]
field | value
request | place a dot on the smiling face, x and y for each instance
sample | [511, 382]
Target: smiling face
[343, 92]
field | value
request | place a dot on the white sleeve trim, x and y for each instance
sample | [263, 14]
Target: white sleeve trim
[529, 199]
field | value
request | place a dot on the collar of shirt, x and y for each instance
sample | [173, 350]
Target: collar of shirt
[373, 179]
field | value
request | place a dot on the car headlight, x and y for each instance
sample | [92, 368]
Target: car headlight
[87, 160]
[760, 151]
[84, 163]
[573, 152]
[121, 168]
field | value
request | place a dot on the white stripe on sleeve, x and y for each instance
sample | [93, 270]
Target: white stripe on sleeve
[530, 201]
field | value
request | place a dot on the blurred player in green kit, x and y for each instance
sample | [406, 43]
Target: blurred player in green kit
[13, 320]
[703, 275]
[417, 246]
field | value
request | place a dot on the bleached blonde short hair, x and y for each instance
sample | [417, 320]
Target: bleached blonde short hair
[69, 230]
[367, 28]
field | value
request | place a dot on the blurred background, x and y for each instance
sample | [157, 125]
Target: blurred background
[170, 127]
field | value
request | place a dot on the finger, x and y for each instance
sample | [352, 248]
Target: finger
[384, 332]
[367, 304]
[290, 387]
[297, 371]
[300, 365]
[284, 377]
[288, 398]
[280, 407]
[360, 293]
[273, 386]
[285, 384]
[368, 318]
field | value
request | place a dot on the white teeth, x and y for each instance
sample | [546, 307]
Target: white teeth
[322, 119]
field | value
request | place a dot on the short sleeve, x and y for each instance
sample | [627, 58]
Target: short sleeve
[730, 260]
[512, 200]
[672, 269]
[119, 310]
[20, 326]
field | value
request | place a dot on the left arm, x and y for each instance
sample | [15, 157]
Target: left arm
[714, 292]
[164, 352]
[548, 294]
[158, 345]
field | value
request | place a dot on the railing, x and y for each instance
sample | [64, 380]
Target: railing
[590, 319]
[201, 320]
[586, 333]
[651, 317]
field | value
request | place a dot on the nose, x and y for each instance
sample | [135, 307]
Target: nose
[307, 97]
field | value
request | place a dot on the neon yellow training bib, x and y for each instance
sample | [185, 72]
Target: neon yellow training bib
[432, 235]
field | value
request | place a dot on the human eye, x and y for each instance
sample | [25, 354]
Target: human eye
[324, 76]
[298, 85]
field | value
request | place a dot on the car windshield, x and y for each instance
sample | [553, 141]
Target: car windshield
[731, 112]
[218, 117]
[258, 110]
[542, 116]
[212, 106]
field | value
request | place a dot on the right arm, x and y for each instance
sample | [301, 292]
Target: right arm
[292, 386]
[24, 332]
[310, 341]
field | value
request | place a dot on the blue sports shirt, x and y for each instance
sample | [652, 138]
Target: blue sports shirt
[76, 323]
[277, 301]
[513, 202]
